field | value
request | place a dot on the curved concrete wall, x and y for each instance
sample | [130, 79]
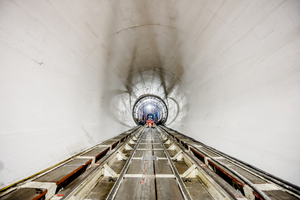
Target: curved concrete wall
[229, 71]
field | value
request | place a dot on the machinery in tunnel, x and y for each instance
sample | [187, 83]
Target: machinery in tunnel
[150, 107]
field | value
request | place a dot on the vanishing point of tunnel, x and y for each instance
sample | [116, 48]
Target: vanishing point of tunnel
[224, 73]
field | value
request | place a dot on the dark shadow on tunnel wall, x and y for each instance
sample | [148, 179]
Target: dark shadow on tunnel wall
[153, 60]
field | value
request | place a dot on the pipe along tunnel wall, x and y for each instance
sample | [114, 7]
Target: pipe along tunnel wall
[71, 71]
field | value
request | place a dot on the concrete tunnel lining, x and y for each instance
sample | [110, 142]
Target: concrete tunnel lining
[150, 104]
[231, 67]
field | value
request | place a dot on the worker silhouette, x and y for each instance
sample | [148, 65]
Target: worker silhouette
[152, 123]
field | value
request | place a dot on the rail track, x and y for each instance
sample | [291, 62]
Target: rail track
[152, 163]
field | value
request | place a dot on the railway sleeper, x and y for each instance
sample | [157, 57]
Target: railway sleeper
[215, 163]
[57, 182]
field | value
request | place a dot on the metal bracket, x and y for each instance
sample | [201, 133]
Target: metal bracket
[109, 171]
[172, 147]
[127, 147]
[190, 170]
[131, 141]
[168, 141]
[149, 158]
[121, 156]
[178, 156]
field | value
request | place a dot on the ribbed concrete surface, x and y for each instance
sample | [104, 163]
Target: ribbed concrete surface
[71, 71]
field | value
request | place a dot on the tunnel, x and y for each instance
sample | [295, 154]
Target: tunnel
[150, 107]
[223, 72]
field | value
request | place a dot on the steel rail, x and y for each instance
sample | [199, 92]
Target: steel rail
[200, 167]
[290, 187]
[256, 189]
[182, 187]
[100, 165]
[154, 172]
[116, 186]
[13, 186]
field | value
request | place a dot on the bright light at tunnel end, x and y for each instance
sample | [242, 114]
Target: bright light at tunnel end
[149, 107]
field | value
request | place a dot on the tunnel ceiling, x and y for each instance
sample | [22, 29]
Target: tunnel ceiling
[153, 46]
[157, 47]
[228, 71]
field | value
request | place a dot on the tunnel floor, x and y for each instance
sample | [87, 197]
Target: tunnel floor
[149, 175]
[152, 163]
